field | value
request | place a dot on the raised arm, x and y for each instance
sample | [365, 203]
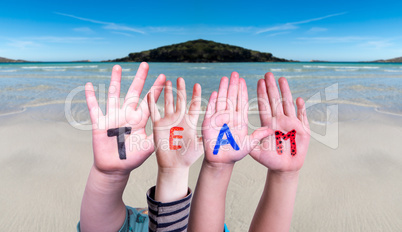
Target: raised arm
[115, 138]
[177, 148]
[226, 141]
[283, 154]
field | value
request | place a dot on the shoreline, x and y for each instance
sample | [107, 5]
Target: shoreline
[345, 109]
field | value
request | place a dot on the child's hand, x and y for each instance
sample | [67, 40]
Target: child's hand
[107, 158]
[281, 118]
[176, 141]
[230, 107]
[175, 135]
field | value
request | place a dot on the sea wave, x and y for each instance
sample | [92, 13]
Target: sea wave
[199, 68]
[339, 67]
[387, 111]
[12, 111]
[346, 70]
[54, 69]
[61, 67]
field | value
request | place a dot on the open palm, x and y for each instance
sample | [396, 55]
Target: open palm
[280, 115]
[187, 148]
[138, 145]
[230, 107]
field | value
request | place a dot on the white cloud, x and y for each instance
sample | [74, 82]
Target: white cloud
[30, 42]
[362, 41]
[201, 29]
[108, 25]
[284, 27]
[85, 30]
[292, 25]
[317, 29]
[22, 44]
[122, 33]
[117, 27]
[336, 39]
[64, 39]
[378, 44]
[235, 29]
[320, 18]
[165, 29]
[278, 33]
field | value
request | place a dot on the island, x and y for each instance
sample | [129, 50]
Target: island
[394, 60]
[200, 51]
[6, 60]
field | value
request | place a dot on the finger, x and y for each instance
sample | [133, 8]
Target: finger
[181, 96]
[287, 100]
[211, 108]
[273, 95]
[195, 106]
[222, 94]
[242, 103]
[233, 92]
[169, 109]
[257, 136]
[301, 112]
[134, 92]
[242, 95]
[156, 88]
[263, 103]
[93, 107]
[155, 116]
[113, 100]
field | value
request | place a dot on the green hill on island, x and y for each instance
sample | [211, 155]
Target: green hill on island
[197, 51]
[394, 60]
[5, 60]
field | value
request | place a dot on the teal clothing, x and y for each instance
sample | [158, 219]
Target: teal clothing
[172, 216]
[135, 221]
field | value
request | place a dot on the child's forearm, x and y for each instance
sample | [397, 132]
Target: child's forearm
[208, 205]
[275, 209]
[171, 184]
[102, 207]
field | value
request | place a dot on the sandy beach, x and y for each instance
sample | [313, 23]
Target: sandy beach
[45, 163]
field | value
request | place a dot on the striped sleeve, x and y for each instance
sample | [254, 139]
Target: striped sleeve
[168, 217]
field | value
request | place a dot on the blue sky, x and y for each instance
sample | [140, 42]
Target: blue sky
[300, 30]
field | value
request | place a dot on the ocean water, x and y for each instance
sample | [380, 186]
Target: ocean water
[378, 86]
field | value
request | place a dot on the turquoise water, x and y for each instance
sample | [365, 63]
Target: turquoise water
[364, 84]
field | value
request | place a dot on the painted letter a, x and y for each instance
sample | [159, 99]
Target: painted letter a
[229, 139]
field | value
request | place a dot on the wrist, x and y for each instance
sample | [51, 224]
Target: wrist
[171, 184]
[217, 166]
[107, 182]
[284, 176]
[217, 170]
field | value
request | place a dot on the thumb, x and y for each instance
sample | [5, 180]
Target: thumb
[261, 133]
[258, 135]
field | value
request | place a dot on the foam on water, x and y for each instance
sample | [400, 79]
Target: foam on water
[377, 86]
[392, 70]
